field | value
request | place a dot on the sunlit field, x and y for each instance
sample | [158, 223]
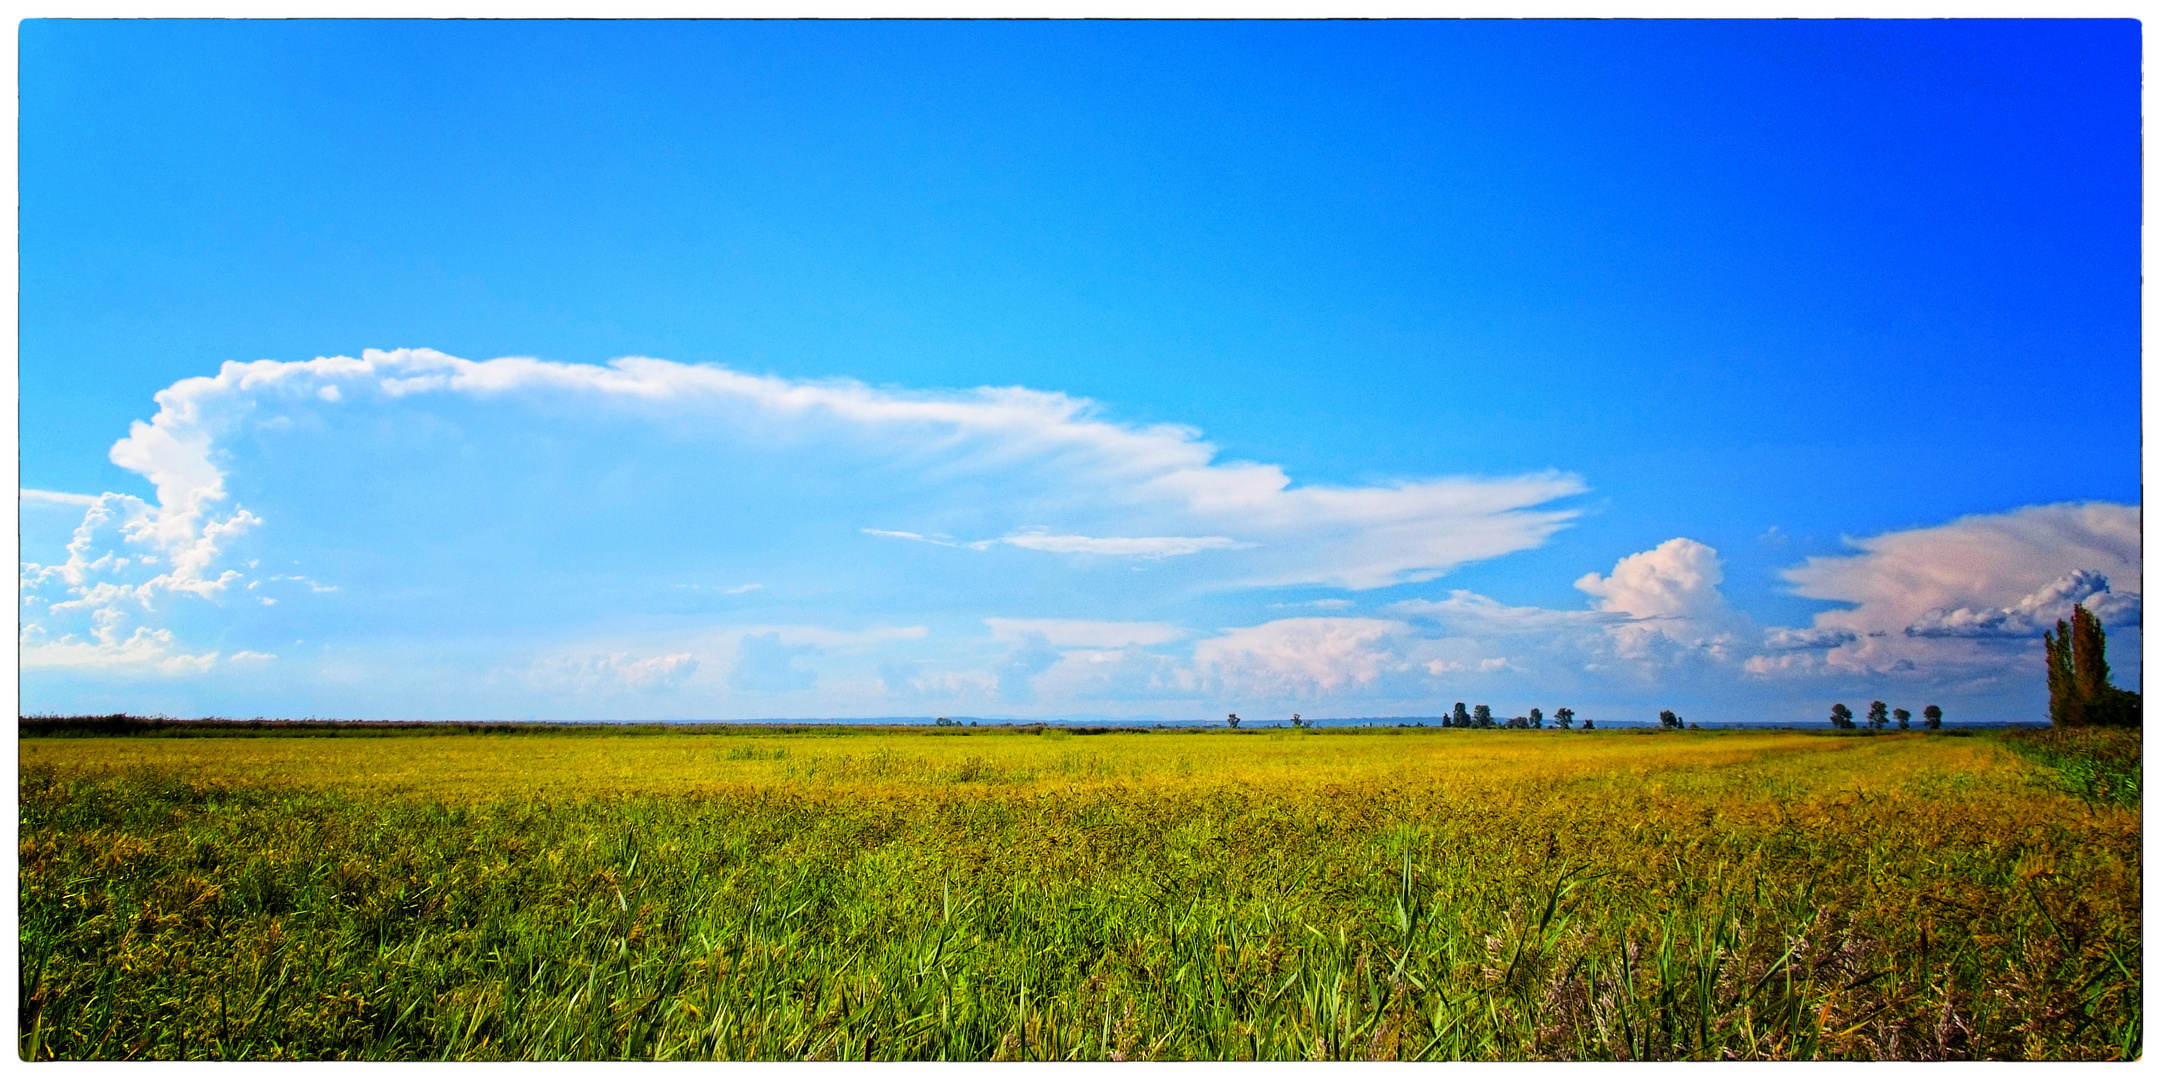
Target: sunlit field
[1008, 894]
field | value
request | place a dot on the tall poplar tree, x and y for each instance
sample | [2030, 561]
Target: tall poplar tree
[2088, 654]
[2077, 675]
[2064, 708]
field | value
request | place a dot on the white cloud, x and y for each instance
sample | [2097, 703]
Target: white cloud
[1484, 666]
[1474, 614]
[1084, 633]
[1141, 547]
[1120, 680]
[146, 650]
[658, 672]
[1670, 597]
[1101, 487]
[1145, 547]
[1657, 614]
[951, 691]
[1965, 597]
[2034, 614]
[591, 675]
[1678, 579]
[1785, 639]
[973, 545]
[60, 498]
[1300, 658]
[1354, 537]
[106, 581]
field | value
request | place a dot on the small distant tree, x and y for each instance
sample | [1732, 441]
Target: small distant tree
[1233, 721]
[943, 722]
[1564, 717]
[1588, 724]
[1537, 718]
[1482, 718]
[1841, 717]
[1462, 715]
[1904, 719]
[1669, 720]
[1296, 720]
[1878, 714]
[1933, 715]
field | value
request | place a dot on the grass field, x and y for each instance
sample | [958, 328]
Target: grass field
[997, 894]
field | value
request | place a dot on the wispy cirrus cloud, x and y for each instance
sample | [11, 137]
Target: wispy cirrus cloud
[1142, 547]
[57, 498]
[1138, 547]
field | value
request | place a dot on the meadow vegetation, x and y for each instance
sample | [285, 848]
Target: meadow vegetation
[998, 894]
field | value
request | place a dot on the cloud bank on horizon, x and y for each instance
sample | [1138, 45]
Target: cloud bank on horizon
[411, 533]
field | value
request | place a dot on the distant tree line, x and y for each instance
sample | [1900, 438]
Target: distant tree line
[1463, 716]
[1879, 714]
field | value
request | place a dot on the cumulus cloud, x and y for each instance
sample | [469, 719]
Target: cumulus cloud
[2034, 614]
[121, 531]
[1301, 658]
[126, 561]
[1658, 616]
[1676, 580]
[143, 651]
[603, 674]
[1967, 597]
[1670, 599]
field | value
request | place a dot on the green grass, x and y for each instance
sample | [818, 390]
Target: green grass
[871, 895]
[2099, 765]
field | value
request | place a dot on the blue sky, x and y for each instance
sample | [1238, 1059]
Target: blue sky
[1108, 369]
